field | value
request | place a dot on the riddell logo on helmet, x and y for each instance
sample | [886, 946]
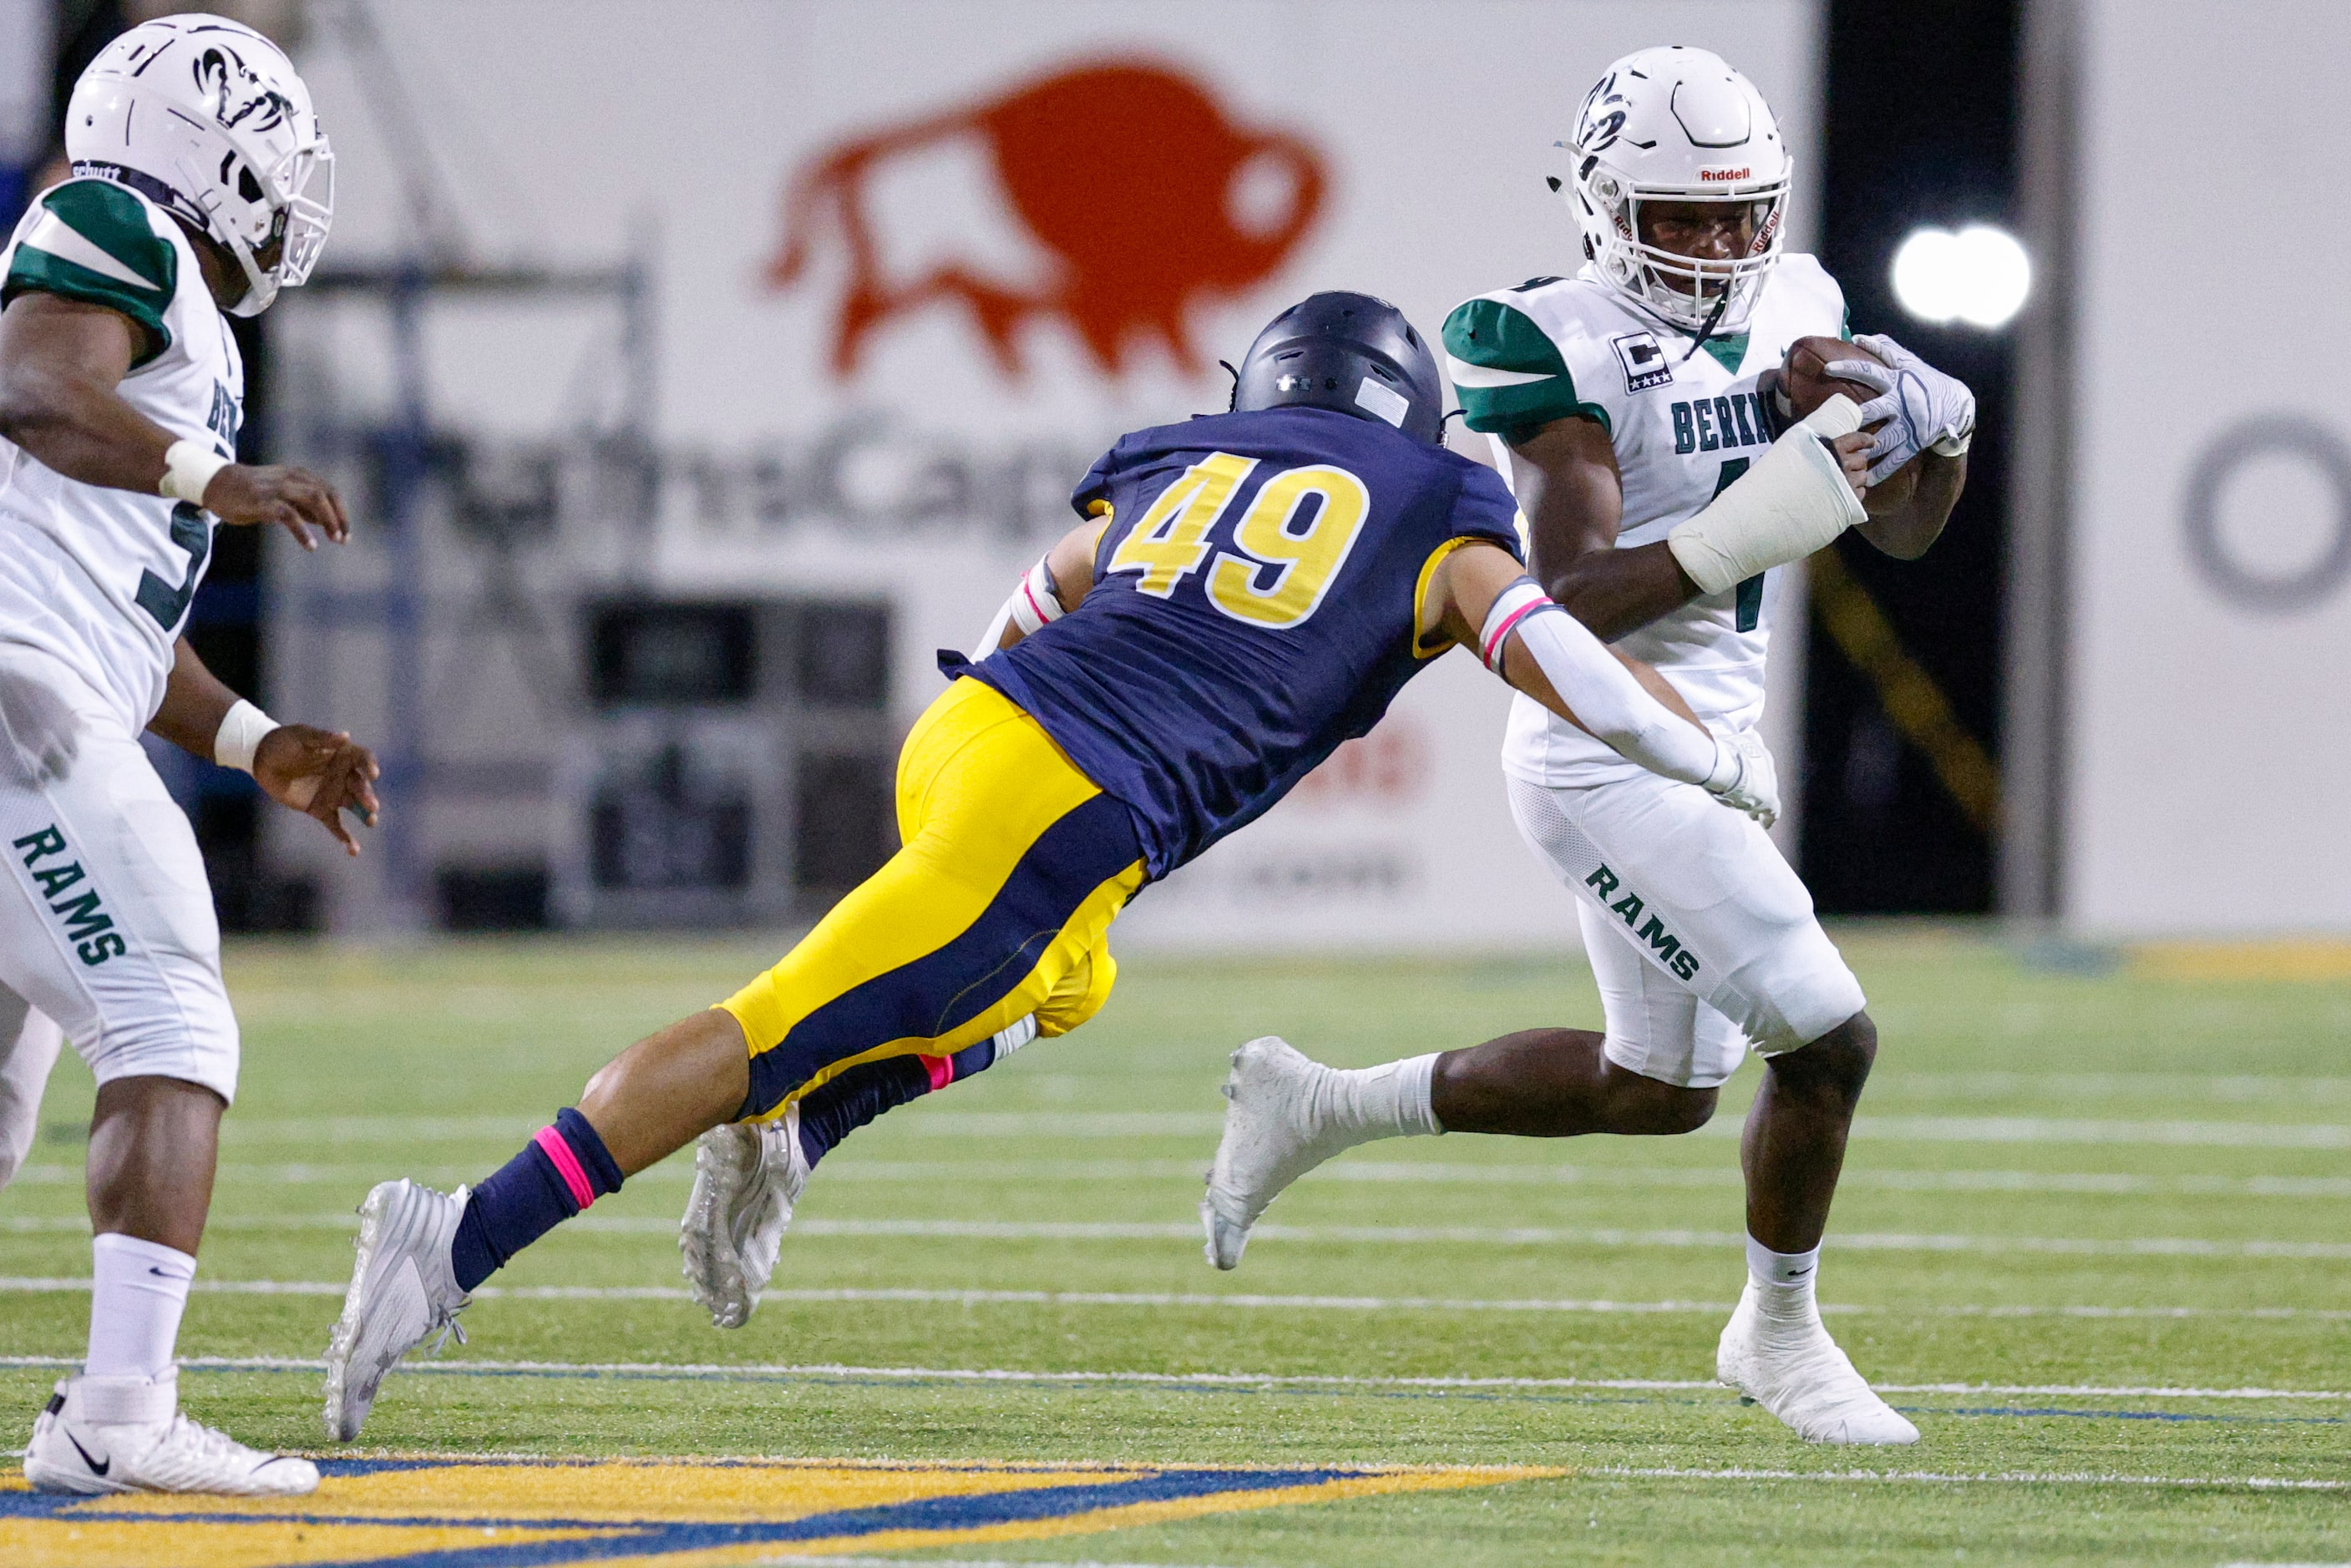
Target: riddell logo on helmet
[1724, 173]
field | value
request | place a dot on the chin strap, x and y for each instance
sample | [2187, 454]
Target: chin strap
[1713, 321]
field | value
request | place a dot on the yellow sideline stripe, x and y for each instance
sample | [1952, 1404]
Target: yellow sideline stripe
[1909, 694]
[2283, 958]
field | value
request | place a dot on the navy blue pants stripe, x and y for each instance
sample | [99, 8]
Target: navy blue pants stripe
[945, 990]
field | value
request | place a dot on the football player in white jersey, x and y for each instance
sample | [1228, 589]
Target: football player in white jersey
[1619, 402]
[198, 187]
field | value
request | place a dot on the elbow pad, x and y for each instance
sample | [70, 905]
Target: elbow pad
[1608, 702]
[1794, 500]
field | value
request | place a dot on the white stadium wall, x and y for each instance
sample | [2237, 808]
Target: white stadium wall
[934, 467]
[2211, 551]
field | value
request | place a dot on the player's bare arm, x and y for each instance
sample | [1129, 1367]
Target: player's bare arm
[320, 773]
[1565, 474]
[1910, 529]
[60, 362]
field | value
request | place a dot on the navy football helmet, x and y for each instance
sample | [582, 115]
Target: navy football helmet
[1350, 353]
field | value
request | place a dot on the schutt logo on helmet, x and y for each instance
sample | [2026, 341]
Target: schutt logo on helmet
[1124, 173]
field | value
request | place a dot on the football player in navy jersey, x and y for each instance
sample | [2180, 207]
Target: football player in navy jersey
[1248, 590]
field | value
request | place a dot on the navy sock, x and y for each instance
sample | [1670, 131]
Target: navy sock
[561, 1171]
[847, 1102]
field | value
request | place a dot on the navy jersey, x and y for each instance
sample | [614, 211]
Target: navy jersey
[1257, 595]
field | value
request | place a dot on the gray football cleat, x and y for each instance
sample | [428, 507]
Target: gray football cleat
[402, 1289]
[1275, 1132]
[748, 1177]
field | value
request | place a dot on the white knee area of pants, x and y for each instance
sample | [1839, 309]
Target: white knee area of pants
[134, 979]
[28, 1051]
[1659, 871]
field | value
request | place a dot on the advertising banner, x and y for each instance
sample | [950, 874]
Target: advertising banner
[915, 264]
[2211, 561]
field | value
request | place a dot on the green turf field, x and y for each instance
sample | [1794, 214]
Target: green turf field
[2092, 1229]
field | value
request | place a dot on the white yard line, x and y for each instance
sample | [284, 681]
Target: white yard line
[1952, 1477]
[358, 1174]
[1378, 1235]
[34, 1285]
[336, 1130]
[1194, 1380]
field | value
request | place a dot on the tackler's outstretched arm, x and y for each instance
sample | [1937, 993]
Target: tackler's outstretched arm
[1485, 601]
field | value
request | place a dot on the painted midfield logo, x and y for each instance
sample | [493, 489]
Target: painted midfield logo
[512, 1513]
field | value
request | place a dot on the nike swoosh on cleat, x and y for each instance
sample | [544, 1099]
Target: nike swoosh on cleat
[97, 1467]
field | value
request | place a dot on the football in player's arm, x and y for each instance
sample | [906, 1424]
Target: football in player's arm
[1626, 403]
[1564, 472]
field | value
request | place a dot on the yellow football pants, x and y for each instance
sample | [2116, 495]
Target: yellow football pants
[997, 907]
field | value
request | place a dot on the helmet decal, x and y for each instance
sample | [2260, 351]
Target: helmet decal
[230, 144]
[242, 100]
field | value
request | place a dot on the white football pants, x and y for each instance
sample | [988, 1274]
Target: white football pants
[30, 1044]
[106, 920]
[1701, 937]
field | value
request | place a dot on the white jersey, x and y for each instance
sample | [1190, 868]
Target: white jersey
[102, 580]
[1685, 424]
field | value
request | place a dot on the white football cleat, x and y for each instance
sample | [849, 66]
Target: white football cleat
[402, 1289]
[1794, 1370]
[105, 1435]
[1275, 1132]
[748, 1177]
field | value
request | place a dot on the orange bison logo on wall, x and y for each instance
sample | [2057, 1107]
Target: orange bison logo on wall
[1126, 173]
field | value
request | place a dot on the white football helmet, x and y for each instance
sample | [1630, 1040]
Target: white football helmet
[1675, 124]
[207, 118]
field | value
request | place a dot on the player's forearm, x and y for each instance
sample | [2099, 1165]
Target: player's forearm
[1911, 531]
[75, 424]
[1615, 591]
[1559, 662]
[195, 703]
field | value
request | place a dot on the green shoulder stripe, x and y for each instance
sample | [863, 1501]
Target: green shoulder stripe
[92, 242]
[1508, 374]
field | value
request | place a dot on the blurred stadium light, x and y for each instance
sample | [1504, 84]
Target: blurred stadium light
[1979, 275]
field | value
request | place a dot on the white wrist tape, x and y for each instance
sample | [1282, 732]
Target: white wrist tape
[1032, 604]
[1036, 602]
[240, 734]
[1794, 500]
[1608, 702]
[188, 468]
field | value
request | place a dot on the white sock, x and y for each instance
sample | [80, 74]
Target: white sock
[1387, 1101]
[139, 1289]
[1783, 1281]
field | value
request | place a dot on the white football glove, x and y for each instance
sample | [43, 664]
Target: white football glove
[1744, 777]
[1921, 406]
